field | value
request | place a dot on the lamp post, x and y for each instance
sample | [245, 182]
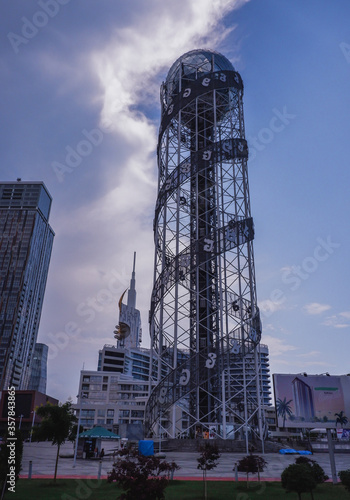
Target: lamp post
[160, 431]
[77, 436]
[20, 421]
[31, 431]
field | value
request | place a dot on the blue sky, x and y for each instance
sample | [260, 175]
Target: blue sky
[80, 111]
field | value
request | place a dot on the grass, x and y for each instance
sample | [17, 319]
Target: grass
[92, 489]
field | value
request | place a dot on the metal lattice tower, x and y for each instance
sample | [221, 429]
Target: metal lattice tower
[204, 320]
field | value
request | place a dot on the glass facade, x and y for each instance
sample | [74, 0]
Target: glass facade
[25, 249]
[38, 377]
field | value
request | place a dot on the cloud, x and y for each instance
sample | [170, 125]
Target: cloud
[316, 308]
[135, 55]
[277, 347]
[337, 321]
[268, 307]
[309, 354]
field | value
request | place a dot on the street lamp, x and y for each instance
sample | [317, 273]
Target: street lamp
[81, 396]
[31, 430]
[20, 421]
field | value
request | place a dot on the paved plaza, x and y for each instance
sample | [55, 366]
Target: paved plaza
[43, 456]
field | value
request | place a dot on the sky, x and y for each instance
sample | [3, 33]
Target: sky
[79, 108]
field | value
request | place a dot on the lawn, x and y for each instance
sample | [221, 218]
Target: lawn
[74, 489]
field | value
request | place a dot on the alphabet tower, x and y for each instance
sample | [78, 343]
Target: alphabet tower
[204, 321]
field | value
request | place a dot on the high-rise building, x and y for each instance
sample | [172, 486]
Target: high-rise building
[204, 299]
[26, 240]
[38, 377]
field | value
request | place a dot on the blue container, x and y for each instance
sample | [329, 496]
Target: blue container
[146, 448]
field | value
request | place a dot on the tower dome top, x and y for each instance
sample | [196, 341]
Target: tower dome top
[198, 61]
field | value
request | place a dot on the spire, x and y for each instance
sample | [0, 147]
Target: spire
[132, 290]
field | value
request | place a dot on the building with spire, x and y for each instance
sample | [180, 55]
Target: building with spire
[115, 395]
[128, 332]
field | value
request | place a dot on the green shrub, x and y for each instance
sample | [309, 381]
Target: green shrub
[317, 471]
[298, 478]
[344, 476]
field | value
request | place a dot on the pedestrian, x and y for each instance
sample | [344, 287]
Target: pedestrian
[102, 453]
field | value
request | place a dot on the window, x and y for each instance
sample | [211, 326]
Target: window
[137, 413]
[110, 413]
[101, 413]
[114, 354]
[87, 422]
[88, 413]
[95, 387]
[140, 387]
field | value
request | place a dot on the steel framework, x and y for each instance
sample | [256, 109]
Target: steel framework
[204, 321]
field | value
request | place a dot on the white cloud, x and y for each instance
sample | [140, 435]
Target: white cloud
[138, 53]
[277, 347]
[316, 308]
[336, 321]
[309, 354]
[268, 307]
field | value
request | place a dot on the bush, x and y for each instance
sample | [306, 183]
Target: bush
[344, 476]
[316, 470]
[142, 478]
[298, 478]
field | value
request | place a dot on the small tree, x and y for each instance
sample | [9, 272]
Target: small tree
[56, 425]
[298, 478]
[344, 476]
[142, 478]
[317, 471]
[207, 461]
[251, 464]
